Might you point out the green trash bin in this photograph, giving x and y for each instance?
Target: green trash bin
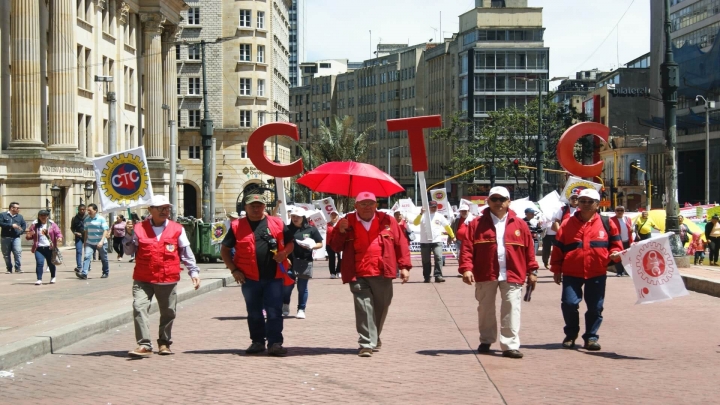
(192, 235)
(207, 251)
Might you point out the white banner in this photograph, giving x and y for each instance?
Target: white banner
(575, 184)
(651, 265)
(474, 210)
(123, 180)
(440, 196)
(317, 219)
(326, 206)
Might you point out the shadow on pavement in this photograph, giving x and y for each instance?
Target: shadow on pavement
(230, 318)
(110, 353)
(216, 351)
(445, 351)
(292, 351)
(615, 356)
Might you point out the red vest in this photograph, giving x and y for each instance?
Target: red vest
(245, 257)
(368, 252)
(157, 261)
(628, 224)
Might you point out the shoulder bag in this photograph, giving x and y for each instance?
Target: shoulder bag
(302, 268)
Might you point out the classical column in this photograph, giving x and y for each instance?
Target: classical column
(62, 77)
(25, 72)
(170, 82)
(152, 29)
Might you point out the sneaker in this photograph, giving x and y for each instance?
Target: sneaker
(513, 354)
(39, 282)
(131, 260)
(140, 352)
(365, 352)
(277, 350)
(105, 275)
(255, 348)
(52, 280)
(8, 272)
(568, 343)
(119, 259)
(378, 346)
(592, 345)
(484, 348)
(300, 314)
(439, 280)
(81, 276)
(165, 350)
(286, 310)
(21, 272)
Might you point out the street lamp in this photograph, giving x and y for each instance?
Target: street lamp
(89, 190)
(708, 106)
(55, 192)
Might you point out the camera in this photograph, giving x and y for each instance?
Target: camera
(272, 242)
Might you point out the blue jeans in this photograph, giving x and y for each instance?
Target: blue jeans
(79, 252)
(89, 251)
(12, 245)
(302, 286)
(572, 294)
(42, 254)
(267, 295)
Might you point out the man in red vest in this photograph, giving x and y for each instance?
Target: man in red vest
(372, 249)
(159, 245)
(624, 224)
(262, 244)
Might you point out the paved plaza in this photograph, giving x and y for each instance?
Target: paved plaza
(664, 353)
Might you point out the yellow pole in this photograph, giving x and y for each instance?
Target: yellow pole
(454, 177)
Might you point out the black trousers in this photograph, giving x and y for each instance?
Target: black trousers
(714, 248)
(547, 242)
(332, 255)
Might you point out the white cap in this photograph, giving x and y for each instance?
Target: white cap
(464, 207)
(159, 200)
(590, 193)
(501, 191)
(298, 212)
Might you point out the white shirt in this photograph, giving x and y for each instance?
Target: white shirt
(558, 217)
(43, 241)
(437, 227)
(623, 229)
(366, 224)
(500, 238)
(183, 240)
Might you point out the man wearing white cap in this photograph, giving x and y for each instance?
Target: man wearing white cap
(372, 249)
(498, 252)
(159, 245)
(584, 246)
(433, 244)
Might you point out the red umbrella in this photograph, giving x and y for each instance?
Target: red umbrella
(350, 179)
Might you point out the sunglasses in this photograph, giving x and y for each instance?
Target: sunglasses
(619, 210)
(496, 199)
(586, 202)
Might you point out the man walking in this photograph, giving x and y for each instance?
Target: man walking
(96, 233)
(712, 235)
(372, 250)
(159, 245)
(584, 246)
(533, 225)
(77, 226)
(548, 240)
(498, 252)
(262, 244)
(433, 244)
(624, 224)
(13, 226)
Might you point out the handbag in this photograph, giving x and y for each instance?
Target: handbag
(57, 258)
(302, 268)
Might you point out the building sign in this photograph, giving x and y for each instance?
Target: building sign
(629, 91)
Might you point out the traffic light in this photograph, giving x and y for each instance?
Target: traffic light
(516, 164)
(655, 190)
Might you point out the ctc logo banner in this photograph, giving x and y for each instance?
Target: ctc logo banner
(123, 179)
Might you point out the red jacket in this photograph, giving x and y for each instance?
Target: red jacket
(478, 251)
(582, 249)
(157, 261)
(628, 224)
(393, 251)
(245, 258)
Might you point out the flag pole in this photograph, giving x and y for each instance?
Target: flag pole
(426, 205)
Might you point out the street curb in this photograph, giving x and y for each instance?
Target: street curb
(702, 285)
(53, 340)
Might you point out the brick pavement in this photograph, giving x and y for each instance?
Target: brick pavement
(663, 353)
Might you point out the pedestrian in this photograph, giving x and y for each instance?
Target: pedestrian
(534, 226)
(697, 248)
(644, 226)
(77, 227)
(556, 220)
(584, 246)
(405, 233)
(263, 244)
(307, 238)
(684, 231)
(498, 253)
(712, 235)
(129, 228)
(459, 226)
(433, 243)
(13, 225)
(334, 258)
(624, 224)
(96, 234)
(46, 236)
(160, 245)
(371, 246)
(118, 231)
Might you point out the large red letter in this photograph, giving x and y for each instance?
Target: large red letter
(256, 149)
(415, 127)
(566, 146)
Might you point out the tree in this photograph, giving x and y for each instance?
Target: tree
(506, 135)
(338, 142)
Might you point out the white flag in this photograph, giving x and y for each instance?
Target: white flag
(326, 206)
(123, 179)
(218, 232)
(651, 265)
(574, 185)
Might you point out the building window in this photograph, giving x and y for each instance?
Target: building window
(261, 53)
(261, 19)
(245, 87)
(179, 86)
(129, 85)
(261, 88)
(177, 52)
(245, 118)
(194, 16)
(194, 86)
(245, 18)
(193, 152)
(261, 118)
(245, 52)
(194, 52)
(243, 151)
(193, 118)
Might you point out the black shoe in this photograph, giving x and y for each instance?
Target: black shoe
(131, 260)
(427, 280)
(105, 275)
(255, 348)
(21, 272)
(484, 348)
(513, 354)
(592, 345)
(439, 280)
(81, 276)
(568, 343)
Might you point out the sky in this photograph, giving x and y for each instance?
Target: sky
(574, 29)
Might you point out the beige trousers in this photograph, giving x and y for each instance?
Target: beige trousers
(510, 296)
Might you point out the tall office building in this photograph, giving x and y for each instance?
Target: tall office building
(297, 43)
